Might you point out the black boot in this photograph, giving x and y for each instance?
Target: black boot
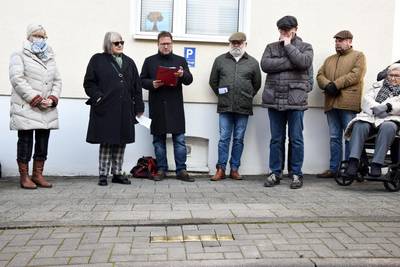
(376, 169)
(120, 179)
(102, 180)
(352, 168)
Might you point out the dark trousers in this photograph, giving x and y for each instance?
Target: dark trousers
(25, 145)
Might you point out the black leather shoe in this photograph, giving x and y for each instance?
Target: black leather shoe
(376, 170)
(102, 180)
(120, 179)
(352, 168)
(184, 176)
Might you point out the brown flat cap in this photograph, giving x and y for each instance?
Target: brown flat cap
(344, 35)
(237, 36)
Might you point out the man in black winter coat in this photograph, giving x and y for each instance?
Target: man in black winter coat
(166, 105)
(288, 64)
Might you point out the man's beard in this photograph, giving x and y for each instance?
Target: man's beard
(342, 50)
(236, 51)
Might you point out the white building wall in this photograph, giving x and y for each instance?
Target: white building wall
(396, 32)
(76, 29)
(69, 154)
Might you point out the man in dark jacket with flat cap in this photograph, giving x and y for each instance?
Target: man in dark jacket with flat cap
(288, 64)
(235, 79)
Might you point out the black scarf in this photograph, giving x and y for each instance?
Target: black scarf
(387, 90)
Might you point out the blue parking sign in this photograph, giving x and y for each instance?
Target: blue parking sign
(190, 56)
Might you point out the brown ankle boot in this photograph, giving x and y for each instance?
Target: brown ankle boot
(219, 175)
(235, 175)
(37, 176)
(24, 179)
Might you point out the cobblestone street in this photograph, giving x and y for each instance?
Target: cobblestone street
(79, 223)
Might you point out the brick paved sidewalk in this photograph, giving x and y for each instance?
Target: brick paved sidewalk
(271, 244)
(79, 201)
(79, 223)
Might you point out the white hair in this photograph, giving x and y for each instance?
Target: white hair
(110, 37)
(395, 66)
(33, 28)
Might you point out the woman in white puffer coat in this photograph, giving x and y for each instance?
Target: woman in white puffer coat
(380, 115)
(36, 88)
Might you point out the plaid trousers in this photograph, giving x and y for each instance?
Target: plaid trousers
(111, 155)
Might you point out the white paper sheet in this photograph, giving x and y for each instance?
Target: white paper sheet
(144, 121)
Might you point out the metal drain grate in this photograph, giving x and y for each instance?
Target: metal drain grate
(189, 238)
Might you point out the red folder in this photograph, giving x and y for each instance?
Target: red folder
(167, 75)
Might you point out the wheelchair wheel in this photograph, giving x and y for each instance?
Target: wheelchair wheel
(393, 183)
(341, 178)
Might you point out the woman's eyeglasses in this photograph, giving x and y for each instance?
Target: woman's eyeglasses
(39, 36)
(118, 43)
(394, 76)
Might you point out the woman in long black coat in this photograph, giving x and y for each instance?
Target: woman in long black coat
(115, 95)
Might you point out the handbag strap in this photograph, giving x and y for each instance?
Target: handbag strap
(117, 71)
(120, 75)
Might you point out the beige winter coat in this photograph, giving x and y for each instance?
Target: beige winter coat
(31, 79)
(366, 113)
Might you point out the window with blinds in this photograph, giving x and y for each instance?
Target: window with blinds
(210, 17)
(193, 20)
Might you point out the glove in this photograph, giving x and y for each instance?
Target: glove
(379, 109)
(331, 89)
(387, 112)
(383, 115)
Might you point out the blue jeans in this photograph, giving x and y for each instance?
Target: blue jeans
(277, 122)
(337, 122)
(231, 123)
(160, 150)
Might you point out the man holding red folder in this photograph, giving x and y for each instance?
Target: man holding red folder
(163, 75)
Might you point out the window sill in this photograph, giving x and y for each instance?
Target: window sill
(187, 38)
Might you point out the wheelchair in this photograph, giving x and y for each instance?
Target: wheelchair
(390, 179)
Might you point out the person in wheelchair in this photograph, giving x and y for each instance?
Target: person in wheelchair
(380, 116)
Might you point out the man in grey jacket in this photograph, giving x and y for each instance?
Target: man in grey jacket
(235, 79)
(288, 64)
